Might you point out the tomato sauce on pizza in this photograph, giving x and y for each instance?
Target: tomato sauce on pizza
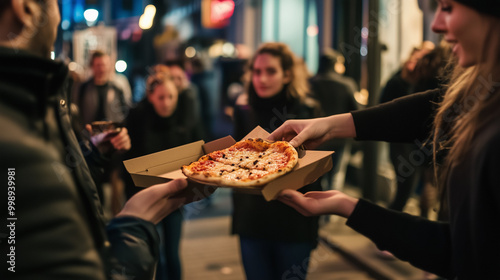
(251, 162)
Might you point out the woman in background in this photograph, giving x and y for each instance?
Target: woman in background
(275, 241)
(154, 125)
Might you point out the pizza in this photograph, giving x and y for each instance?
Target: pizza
(248, 163)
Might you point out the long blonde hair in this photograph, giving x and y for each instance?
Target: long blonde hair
(471, 101)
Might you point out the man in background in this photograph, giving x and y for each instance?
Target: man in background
(104, 97)
(335, 92)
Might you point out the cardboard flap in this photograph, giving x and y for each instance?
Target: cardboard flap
(312, 156)
(257, 132)
(219, 144)
(144, 181)
(172, 156)
(301, 177)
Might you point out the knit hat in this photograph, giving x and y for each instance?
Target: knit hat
(490, 7)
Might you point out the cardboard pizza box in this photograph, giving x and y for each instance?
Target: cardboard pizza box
(164, 166)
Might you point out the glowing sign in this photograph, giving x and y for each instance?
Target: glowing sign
(216, 13)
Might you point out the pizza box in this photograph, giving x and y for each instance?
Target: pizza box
(164, 166)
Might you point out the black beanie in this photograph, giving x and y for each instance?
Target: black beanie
(490, 7)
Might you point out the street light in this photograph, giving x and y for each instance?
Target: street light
(146, 19)
(120, 66)
(91, 16)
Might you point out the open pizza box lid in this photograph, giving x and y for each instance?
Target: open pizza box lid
(164, 166)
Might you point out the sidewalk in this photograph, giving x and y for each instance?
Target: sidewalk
(208, 251)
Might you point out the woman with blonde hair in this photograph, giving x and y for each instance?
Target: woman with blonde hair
(156, 124)
(463, 119)
(274, 238)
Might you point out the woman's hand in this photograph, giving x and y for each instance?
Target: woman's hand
(156, 202)
(319, 202)
(311, 133)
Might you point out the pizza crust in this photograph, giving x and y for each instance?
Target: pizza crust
(249, 163)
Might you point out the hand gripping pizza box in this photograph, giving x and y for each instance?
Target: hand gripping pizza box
(165, 166)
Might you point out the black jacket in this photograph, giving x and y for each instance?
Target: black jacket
(467, 246)
(59, 228)
(150, 133)
(253, 216)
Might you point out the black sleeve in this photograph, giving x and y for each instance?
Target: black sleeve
(404, 119)
(96, 163)
(423, 243)
(134, 248)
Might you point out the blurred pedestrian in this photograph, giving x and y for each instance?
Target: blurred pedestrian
(205, 82)
(275, 242)
(335, 94)
(463, 121)
(157, 124)
(399, 85)
(188, 102)
(432, 71)
(102, 98)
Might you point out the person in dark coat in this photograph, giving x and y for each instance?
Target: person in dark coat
(56, 217)
(335, 93)
(274, 239)
(399, 85)
(463, 121)
(154, 125)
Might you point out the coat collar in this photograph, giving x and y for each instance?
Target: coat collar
(28, 82)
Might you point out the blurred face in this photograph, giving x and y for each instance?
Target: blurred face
(463, 28)
(411, 63)
(101, 69)
(178, 77)
(414, 58)
(268, 78)
(164, 99)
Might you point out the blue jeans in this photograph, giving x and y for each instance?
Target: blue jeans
(274, 260)
(169, 264)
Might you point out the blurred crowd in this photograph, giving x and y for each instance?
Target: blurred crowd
(266, 89)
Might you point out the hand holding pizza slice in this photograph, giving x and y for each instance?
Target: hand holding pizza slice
(248, 163)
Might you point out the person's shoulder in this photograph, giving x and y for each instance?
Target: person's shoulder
(24, 141)
(190, 92)
(309, 107)
(486, 153)
(336, 80)
(489, 136)
(347, 81)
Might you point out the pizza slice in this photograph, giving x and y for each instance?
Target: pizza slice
(251, 162)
